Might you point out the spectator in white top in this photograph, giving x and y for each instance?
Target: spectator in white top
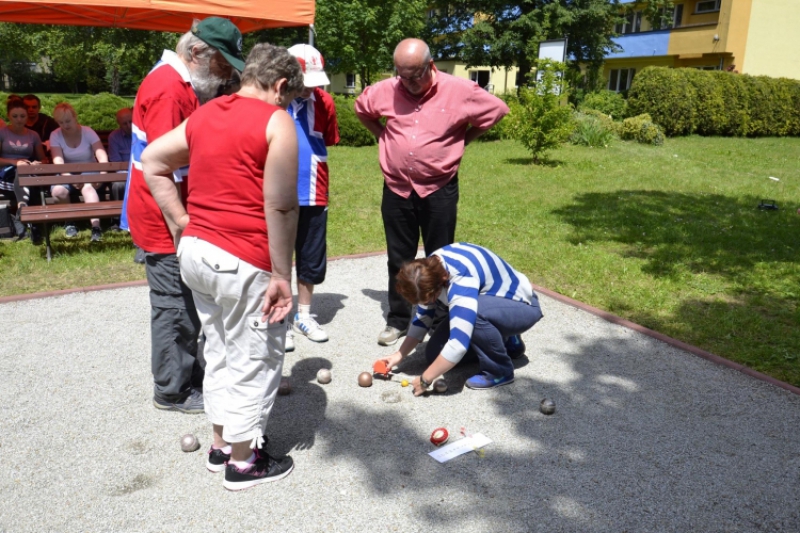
(73, 143)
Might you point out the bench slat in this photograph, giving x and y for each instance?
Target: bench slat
(49, 170)
(64, 212)
(46, 181)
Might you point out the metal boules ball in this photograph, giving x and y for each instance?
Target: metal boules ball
(285, 387)
(547, 407)
(189, 443)
(440, 386)
(365, 379)
(324, 376)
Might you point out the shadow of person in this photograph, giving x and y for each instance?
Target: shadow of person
(326, 305)
(295, 418)
(382, 297)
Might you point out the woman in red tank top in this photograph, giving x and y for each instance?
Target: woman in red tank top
(235, 239)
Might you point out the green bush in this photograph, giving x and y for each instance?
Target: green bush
(592, 131)
(685, 101)
(503, 130)
(542, 122)
(99, 111)
(641, 129)
(667, 96)
(607, 102)
(351, 131)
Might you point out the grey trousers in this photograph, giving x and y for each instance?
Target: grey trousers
(174, 330)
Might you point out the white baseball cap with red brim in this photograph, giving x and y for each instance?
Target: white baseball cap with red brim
(312, 63)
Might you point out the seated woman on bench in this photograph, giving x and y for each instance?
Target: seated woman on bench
(18, 146)
(73, 143)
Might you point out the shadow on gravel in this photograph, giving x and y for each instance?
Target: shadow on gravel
(633, 446)
(326, 305)
(381, 297)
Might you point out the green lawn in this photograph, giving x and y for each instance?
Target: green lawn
(668, 237)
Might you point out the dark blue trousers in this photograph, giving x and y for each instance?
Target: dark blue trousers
(498, 319)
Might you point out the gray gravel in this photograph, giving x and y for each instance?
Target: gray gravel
(645, 437)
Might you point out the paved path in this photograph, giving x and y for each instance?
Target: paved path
(645, 438)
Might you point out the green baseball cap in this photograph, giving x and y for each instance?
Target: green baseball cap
(223, 35)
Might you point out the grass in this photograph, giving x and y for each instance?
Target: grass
(669, 237)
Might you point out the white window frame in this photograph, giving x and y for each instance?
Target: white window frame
(347, 83)
(632, 24)
(473, 75)
(715, 5)
(614, 73)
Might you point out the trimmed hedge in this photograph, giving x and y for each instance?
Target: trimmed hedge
(685, 101)
(351, 131)
(607, 102)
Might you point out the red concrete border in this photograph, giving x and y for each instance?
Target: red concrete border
(614, 319)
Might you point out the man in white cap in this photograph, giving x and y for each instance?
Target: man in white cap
(314, 116)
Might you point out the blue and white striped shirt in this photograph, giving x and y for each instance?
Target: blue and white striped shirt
(473, 271)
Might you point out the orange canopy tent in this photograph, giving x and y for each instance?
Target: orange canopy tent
(161, 15)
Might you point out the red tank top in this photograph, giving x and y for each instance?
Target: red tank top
(227, 152)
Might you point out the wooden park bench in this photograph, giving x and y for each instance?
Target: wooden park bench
(44, 176)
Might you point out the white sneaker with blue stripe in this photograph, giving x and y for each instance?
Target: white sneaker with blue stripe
(306, 325)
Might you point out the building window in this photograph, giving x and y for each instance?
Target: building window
(677, 16)
(672, 18)
(708, 67)
(350, 81)
(632, 24)
(431, 13)
(620, 79)
(707, 6)
(481, 77)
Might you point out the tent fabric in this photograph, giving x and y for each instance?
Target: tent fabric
(161, 15)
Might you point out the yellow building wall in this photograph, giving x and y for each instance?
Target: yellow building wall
(734, 32)
(773, 43)
(502, 80)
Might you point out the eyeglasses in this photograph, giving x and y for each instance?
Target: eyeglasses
(414, 78)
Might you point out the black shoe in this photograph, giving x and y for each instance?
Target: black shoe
(515, 347)
(19, 228)
(191, 404)
(263, 470)
(71, 231)
(139, 257)
(36, 234)
(218, 460)
(97, 234)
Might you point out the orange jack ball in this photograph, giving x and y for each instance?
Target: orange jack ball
(365, 379)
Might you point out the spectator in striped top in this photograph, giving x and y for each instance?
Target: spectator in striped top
(489, 306)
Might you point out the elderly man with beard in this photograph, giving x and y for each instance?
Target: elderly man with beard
(203, 60)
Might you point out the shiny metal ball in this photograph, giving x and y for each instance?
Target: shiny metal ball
(365, 379)
(324, 376)
(547, 407)
(440, 386)
(285, 387)
(189, 443)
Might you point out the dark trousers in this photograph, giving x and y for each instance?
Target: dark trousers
(174, 330)
(404, 220)
(498, 319)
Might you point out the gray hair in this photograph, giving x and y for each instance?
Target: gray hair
(189, 42)
(267, 63)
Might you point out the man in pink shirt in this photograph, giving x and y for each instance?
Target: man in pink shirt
(430, 117)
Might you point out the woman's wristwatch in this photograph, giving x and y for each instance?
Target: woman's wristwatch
(425, 385)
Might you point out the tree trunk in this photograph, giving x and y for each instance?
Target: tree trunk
(115, 80)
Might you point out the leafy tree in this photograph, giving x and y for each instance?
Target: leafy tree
(360, 35)
(500, 33)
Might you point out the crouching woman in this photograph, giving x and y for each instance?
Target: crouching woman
(488, 306)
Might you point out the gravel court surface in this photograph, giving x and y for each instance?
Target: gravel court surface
(645, 437)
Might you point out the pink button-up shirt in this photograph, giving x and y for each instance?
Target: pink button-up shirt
(423, 142)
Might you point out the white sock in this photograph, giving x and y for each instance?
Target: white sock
(303, 310)
(241, 465)
(225, 449)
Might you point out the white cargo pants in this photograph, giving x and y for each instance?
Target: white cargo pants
(244, 356)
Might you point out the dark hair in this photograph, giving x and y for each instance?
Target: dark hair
(14, 104)
(421, 280)
(32, 97)
(267, 63)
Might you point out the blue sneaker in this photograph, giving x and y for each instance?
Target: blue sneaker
(515, 346)
(484, 381)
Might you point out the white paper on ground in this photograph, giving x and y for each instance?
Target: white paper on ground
(460, 447)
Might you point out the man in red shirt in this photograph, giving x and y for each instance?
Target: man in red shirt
(181, 81)
(430, 117)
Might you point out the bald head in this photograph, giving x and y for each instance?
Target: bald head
(414, 65)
